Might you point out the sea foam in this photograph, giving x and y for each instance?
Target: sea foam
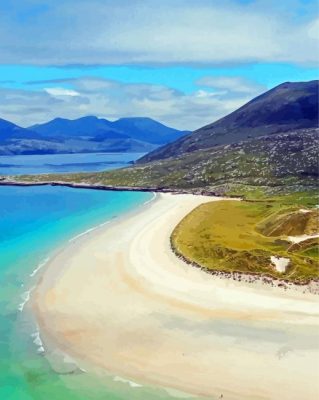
(131, 383)
(37, 341)
(41, 265)
(151, 199)
(88, 231)
(25, 298)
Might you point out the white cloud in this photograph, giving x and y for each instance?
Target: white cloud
(230, 83)
(114, 99)
(204, 93)
(153, 32)
(56, 91)
(313, 29)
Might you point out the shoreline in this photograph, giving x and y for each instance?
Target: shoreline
(40, 340)
(74, 185)
(41, 266)
(311, 286)
(138, 289)
(281, 284)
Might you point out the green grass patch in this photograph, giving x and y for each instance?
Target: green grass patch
(224, 236)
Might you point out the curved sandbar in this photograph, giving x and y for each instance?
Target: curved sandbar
(120, 299)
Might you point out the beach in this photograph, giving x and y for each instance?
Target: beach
(118, 299)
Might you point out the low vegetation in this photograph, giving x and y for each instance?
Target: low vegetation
(233, 236)
(276, 164)
(290, 223)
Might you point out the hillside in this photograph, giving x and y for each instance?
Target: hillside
(148, 130)
(292, 223)
(279, 163)
(85, 135)
(9, 131)
(287, 107)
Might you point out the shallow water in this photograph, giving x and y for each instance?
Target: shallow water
(34, 221)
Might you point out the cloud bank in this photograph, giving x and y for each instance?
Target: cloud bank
(149, 32)
(73, 98)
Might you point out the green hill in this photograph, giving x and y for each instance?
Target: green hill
(287, 107)
(282, 163)
(212, 240)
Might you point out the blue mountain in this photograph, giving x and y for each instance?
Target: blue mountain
(66, 128)
(147, 130)
(9, 130)
(141, 129)
(85, 135)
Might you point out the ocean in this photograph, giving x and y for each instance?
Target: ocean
(34, 223)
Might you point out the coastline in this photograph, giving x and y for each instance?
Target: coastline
(154, 189)
(113, 302)
(248, 277)
(252, 278)
(41, 266)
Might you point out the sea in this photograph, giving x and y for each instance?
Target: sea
(34, 223)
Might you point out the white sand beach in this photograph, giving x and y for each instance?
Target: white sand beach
(119, 299)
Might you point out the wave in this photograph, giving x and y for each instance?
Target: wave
(37, 341)
(152, 199)
(89, 230)
(82, 234)
(25, 297)
(131, 383)
(27, 294)
(41, 265)
(104, 223)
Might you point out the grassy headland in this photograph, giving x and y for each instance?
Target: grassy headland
(232, 236)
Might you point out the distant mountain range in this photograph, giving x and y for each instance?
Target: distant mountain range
(84, 135)
(287, 107)
(9, 131)
(270, 145)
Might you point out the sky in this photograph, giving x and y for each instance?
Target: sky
(185, 63)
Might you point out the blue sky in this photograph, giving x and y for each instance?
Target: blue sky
(181, 78)
(185, 63)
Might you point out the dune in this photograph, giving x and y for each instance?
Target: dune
(301, 238)
(118, 299)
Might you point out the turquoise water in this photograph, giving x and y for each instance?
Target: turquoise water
(35, 221)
